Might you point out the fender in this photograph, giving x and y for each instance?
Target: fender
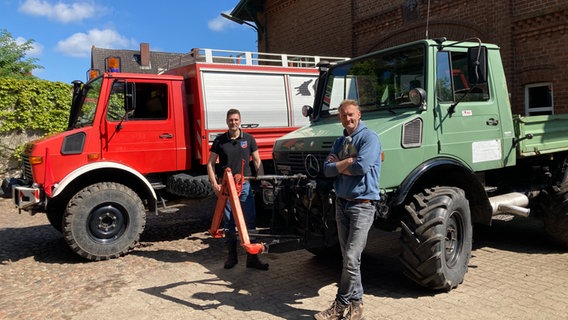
(427, 167)
(433, 170)
(59, 187)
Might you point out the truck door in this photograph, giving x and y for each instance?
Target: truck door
(140, 127)
(467, 116)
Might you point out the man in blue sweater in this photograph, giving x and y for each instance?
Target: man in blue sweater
(355, 162)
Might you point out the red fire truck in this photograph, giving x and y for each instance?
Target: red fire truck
(136, 141)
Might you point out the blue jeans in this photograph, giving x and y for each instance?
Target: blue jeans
(249, 211)
(353, 223)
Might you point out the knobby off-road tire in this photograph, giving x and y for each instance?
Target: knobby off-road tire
(104, 221)
(188, 186)
(324, 224)
(553, 210)
(55, 218)
(436, 238)
(55, 211)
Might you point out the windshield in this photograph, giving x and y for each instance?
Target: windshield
(380, 81)
(90, 94)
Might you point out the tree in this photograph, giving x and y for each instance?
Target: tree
(13, 60)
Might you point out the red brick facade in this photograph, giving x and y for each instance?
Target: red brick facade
(532, 34)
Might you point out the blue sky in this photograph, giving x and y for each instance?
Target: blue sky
(64, 31)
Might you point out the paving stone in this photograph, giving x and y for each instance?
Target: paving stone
(176, 273)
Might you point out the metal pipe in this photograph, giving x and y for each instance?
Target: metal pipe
(276, 177)
(514, 203)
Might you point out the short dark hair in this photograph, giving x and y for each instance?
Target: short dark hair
(233, 111)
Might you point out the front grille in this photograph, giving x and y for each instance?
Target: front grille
(294, 162)
(27, 167)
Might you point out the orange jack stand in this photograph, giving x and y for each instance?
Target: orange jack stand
(229, 192)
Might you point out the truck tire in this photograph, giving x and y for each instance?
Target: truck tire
(324, 226)
(329, 246)
(436, 238)
(55, 211)
(55, 218)
(103, 221)
(188, 186)
(553, 210)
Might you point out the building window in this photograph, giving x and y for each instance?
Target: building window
(538, 99)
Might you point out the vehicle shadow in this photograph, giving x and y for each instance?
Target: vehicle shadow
(278, 291)
(523, 235)
(43, 243)
(293, 277)
(182, 238)
(303, 275)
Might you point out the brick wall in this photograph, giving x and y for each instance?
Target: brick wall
(307, 27)
(532, 34)
(539, 32)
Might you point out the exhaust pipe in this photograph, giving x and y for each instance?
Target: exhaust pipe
(514, 203)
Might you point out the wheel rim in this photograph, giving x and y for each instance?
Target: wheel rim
(107, 223)
(454, 239)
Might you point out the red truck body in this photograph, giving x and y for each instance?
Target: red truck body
(201, 134)
(147, 137)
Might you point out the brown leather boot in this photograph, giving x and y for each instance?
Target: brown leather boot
(355, 310)
(254, 262)
(335, 312)
(232, 259)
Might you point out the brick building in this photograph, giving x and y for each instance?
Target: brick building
(532, 35)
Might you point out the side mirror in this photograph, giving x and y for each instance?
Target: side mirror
(477, 65)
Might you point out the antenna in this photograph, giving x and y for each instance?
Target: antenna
(427, 18)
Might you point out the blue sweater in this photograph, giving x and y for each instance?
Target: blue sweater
(363, 183)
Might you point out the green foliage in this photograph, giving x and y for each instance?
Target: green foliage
(13, 61)
(33, 104)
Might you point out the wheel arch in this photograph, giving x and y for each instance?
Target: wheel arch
(445, 171)
(106, 172)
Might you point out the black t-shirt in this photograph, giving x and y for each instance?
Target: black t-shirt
(232, 152)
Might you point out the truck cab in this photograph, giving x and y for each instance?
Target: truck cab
(122, 124)
(453, 155)
(418, 99)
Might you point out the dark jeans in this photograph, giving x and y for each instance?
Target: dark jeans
(353, 223)
(249, 212)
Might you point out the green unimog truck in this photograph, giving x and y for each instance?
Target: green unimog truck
(453, 155)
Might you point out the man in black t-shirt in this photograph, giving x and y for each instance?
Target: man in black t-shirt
(234, 150)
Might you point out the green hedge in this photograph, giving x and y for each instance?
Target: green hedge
(34, 104)
(29, 108)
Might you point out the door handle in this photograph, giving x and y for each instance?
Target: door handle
(166, 136)
(492, 122)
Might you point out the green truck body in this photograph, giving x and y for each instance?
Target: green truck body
(453, 154)
(549, 134)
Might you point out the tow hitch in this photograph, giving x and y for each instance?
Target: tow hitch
(231, 188)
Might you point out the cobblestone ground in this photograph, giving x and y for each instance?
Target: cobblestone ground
(177, 273)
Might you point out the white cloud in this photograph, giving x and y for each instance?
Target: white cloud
(79, 44)
(60, 11)
(35, 50)
(219, 23)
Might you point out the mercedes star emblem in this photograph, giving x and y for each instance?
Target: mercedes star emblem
(312, 165)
